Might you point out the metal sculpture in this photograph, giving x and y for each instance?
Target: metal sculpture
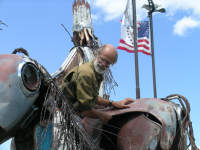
(165, 123)
(46, 121)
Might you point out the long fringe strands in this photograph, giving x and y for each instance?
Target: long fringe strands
(110, 82)
(186, 126)
(68, 133)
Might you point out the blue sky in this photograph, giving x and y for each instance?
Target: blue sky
(36, 26)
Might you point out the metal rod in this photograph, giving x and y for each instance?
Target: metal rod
(66, 30)
(152, 54)
(136, 50)
(151, 10)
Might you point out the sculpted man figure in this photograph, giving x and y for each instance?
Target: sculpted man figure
(81, 85)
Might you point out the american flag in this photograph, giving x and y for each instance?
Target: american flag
(126, 41)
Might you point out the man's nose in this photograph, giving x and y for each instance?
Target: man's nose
(106, 65)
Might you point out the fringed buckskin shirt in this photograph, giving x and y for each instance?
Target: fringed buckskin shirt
(81, 86)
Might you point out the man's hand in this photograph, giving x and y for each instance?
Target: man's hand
(123, 103)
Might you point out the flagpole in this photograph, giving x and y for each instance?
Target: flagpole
(136, 49)
(152, 54)
(151, 9)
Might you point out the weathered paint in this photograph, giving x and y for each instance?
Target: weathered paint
(162, 110)
(43, 136)
(140, 133)
(15, 99)
(8, 66)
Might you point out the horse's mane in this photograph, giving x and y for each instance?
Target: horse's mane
(57, 112)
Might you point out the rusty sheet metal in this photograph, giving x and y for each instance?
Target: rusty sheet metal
(139, 133)
(160, 109)
(81, 15)
(93, 127)
(8, 65)
(15, 99)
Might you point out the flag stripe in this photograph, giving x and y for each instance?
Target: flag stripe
(142, 47)
(141, 43)
(132, 51)
(129, 48)
(143, 40)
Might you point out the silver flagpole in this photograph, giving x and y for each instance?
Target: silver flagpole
(151, 9)
(136, 49)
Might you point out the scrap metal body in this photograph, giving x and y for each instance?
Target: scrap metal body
(17, 94)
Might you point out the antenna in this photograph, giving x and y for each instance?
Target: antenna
(66, 31)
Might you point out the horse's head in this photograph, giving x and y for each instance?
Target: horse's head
(20, 83)
(29, 94)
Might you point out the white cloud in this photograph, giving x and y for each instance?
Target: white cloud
(95, 16)
(184, 24)
(113, 9)
(185, 5)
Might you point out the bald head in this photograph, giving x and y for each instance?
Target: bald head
(109, 52)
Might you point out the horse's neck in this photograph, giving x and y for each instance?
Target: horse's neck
(77, 56)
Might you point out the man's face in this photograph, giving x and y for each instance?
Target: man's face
(103, 61)
(100, 65)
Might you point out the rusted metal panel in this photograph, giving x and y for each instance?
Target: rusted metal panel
(15, 98)
(163, 111)
(93, 127)
(139, 133)
(8, 65)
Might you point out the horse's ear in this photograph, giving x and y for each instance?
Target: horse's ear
(20, 50)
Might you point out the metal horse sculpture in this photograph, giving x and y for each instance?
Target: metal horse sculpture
(148, 124)
(34, 111)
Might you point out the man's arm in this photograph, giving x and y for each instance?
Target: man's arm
(93, 113)
(118, 104)
(102, 101)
